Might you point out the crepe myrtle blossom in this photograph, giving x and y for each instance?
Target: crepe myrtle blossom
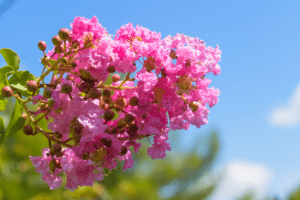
(104, 126)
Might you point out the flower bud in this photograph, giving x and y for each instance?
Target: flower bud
(84, 87)
(47, 92)
(73, 64)
(94, 93)
(132, 130)
(6, 92)
(59, 49)
(66, 88)
(128, 118)
(75, 44)
(149, 63)
(108, 115)
(56, 149)
(64, 33)
(123, 151)
(56, 41)
(188, 63)
(106, 142)
(173, 54)
(163, 73)
(116, 77)
(107, 100)
(185, 82)
(28, 130)
(32, 86)
(42, 45)
(106, 93)
(111, 69)
(134, 101)
(120, 102)
(50, 102)
(64, 60)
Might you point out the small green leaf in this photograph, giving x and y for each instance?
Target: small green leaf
(11, 58)
(2, 130)
(19, 87)
(4, 73)
(22, 77)
(116, 114)
(3, 103)
(16, 122)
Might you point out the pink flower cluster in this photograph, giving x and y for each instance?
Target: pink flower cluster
(164, 89)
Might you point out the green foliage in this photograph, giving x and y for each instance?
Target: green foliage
(16, 121)
(3, 103)
(294, 194)
(19, 79)
(11, 58)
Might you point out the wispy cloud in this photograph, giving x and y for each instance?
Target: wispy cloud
(290, 114)
(241, 177)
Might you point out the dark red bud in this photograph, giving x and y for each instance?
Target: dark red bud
(94, 93)
(111, 69)
(42, 45)
(106, 142)
(32, 86)
(6, 92)
(108, 115)
(116, 77)
(123, 150)
(28, 130)
(66, 88)
(128, 118)
(134, 101)
(64, 33)
(47, 92)
(56, 41)
(106, 93)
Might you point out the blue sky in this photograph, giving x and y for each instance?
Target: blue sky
(258, 113)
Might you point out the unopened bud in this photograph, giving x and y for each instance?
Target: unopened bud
(108, 115)
(64, 33)
(188, 63)
(6, 92)
(66, 88)
(56, 149)
(94, 93)
(120, 102)
(32, 86)
(106, 93)
(73, 64)
(134, 101)
(28, 130)
(47, 92)
(42, 45)
(56, 41)
(116, 77)
(50, 102)
(111, 69)
(128, 118)
(193, 106)
(59, 49)
(121, 123)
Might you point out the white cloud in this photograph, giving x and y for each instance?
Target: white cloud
(290, 114)
(241, 177)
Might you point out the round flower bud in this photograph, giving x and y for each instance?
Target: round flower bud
(116, 77)
(56, 41)
(64, 60)
(163, 73)
(173, 54)
(128, 118)
(64, 33)
(47, 92)
(108, 115)
(32, 86)
(75, 44)
(85, 156)
(106, 93)
(111, 69)
(59, 49)
(123, 151)
(193, 106)
(188, 63)
(6, 92)
(134, 101)
(28, 130)
(106, 142)
(84, 87)
(66, 88)
(94, 93)
(42, 45)
(120, 102)
(73, 64)
(43, 60)
(132, 130)
(50, 102)
(56, 149)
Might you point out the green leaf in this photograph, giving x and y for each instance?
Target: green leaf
(22, 77)
(4, 72)
(3, 103)
(116, 114)
(19, 87)
(2, 130)
(11, 58)
(16, 122)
